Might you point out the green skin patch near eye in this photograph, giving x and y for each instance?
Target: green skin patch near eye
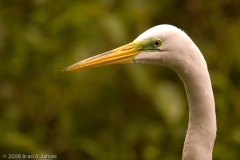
(150, 45)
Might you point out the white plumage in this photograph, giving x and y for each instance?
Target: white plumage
(169, 46)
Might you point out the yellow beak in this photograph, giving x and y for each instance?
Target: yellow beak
(125, 53)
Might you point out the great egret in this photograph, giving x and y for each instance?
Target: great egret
(169, 46)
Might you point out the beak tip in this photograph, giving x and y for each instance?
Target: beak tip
(64, 70)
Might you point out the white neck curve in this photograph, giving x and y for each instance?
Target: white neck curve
(179, 53)
(201, 131)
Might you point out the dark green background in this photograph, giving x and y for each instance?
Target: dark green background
(119, 112)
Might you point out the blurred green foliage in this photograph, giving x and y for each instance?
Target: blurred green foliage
(122, 112)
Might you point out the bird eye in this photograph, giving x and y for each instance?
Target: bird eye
(157, 43)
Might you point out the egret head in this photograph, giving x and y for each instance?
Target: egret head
(169, 46)
(159, 45)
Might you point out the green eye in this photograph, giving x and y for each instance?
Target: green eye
(157, 43)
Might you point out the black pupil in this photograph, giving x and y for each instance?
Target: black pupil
(156, 43)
